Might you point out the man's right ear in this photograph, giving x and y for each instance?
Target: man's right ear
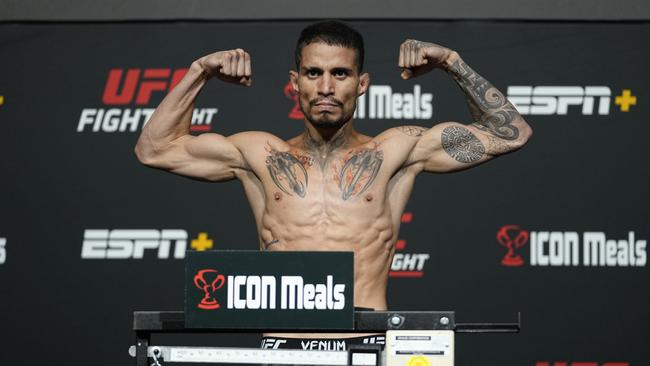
(293, 77)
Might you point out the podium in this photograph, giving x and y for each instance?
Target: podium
(293, 292)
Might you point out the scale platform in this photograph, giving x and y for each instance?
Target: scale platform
(413, 338)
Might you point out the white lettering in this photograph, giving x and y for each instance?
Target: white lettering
(593, 243)
(409, 261)
(309, 293)
(238, 302)
(291, 295)
(386, 104)
(129, 120)
(3, 250)
(123, 244)
(320, 302)
(339, 296)
(550, 100)
(268, 292)
(202, 116)
(563, 248)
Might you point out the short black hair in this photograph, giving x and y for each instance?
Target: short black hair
(333, 33)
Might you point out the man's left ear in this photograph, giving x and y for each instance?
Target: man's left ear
(364, 83)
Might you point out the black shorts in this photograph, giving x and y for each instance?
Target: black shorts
(320, 344)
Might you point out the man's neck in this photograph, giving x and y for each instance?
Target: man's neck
(323, 142)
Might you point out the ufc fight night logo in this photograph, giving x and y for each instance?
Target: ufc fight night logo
(135, 88)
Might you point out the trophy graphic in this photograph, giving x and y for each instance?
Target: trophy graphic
(295, 113)
(209, 285)
(505, 238)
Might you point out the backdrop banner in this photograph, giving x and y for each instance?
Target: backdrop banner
(557, 230)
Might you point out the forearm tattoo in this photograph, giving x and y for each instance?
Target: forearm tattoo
(413, 131)
(491, 110)
(359, 170)
(287, 172)
(462, 145)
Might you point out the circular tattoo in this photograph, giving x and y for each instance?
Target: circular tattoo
(461, 144)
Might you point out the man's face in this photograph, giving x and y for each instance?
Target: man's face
(328, 84)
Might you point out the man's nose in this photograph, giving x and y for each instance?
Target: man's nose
(326, 85)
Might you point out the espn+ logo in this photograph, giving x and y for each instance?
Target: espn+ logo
(569, 248)
(557, 100)
(136, 87)
(125, 244)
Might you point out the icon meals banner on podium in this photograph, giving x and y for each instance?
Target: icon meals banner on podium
(273, 290)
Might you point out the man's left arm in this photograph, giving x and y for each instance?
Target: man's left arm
(497, 129)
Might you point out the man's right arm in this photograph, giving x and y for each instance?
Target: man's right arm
(165, 142)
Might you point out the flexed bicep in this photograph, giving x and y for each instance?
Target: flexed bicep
(452, 146)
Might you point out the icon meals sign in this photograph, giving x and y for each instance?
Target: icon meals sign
(272, 290)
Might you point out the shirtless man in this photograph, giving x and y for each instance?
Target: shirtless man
(332, 188)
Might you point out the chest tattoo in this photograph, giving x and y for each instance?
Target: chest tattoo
(358, 171)
(288, 172)
(353, 173)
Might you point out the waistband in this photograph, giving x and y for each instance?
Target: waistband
(319, 344)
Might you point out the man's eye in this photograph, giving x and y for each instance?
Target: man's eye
(340, 73)
(312, 73)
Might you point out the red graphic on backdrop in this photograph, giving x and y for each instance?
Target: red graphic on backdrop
(208, 281)
(152, 80)
(512, 237)
(295, 113)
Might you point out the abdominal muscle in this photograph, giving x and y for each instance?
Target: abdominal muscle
(370, 238)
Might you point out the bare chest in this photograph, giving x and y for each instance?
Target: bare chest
(350, 175)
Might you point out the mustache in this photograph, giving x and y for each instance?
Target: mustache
(313, 102)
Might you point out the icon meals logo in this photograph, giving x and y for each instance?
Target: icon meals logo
(261, 292)
(135, 87)
(209, 286)
(569, 248)
(512, 237)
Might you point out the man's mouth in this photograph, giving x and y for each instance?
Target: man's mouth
(326, 103)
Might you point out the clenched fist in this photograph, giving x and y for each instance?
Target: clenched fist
(417, 58)
(233, 66)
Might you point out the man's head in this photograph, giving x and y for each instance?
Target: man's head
(329, 78)
(332, 33)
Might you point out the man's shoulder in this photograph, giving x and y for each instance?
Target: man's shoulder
(256, 138)
(400, 134)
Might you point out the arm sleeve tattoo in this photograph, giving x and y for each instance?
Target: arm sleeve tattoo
(490, 109)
